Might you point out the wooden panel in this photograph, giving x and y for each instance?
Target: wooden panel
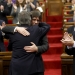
(5, 58)
(9, 17)
(11, 24)
(55, 7)
(67, 64)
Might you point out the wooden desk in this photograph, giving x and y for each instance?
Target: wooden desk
(66, 63)
(5, 58)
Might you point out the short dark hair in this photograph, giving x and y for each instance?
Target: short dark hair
(36, 13)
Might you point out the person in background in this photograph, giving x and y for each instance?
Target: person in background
(2, 46)
(40, 48)
(16, 9)
(29, 5)
(9, 4)
(22, 60)
(4, 11)
(71, 28)
(39, 7)
(69, 42)
(19, 6)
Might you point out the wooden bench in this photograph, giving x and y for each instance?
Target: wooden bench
(11, 24)
(5, 58)
(10, 19)
(67, 63)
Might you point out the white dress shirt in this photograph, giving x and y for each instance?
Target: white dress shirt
(72, 46)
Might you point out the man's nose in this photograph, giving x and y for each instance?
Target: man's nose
(36, 21)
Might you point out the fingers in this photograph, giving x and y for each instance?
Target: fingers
(32, 48)
(32, 43)
(28, 49)
(25, 33)
(22, 31)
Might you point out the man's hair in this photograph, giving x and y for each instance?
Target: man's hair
(24, 17)
(36, 13)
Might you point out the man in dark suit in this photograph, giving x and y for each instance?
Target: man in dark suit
(69, 42)
(70, 46)
(35, 71)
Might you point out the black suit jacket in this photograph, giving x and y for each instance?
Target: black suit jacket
(70, 29)
(26, 61)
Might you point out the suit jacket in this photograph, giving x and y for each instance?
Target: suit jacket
(70, 29)
(27, 60)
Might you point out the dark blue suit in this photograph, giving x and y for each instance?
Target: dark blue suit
(23, 63)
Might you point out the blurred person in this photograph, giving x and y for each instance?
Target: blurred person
(39, 7)
(16, 9)
(9, 4)
(19, 6)
(29, 5)
(4, 11)
(2, 46)
(69, 42)
(22, 60)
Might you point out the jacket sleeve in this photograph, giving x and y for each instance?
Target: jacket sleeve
(8, 29)
(70, 51)
(43, 28)
(43, 45)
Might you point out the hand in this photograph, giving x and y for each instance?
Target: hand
(3, 25)
(9, 1)
(32, 48)
(27, 1)
(15, 7)
(66, 36)
(68, 41)
(2, 8)
(22, 31)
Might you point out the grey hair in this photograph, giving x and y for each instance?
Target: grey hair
(24, 17)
